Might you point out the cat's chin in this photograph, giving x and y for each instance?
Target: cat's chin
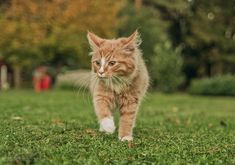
(103, 78)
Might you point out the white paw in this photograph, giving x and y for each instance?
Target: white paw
(107, 125)
(126, 138)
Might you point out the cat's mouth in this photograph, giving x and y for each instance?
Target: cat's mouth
(102, 76)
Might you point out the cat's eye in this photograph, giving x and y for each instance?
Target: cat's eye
(111, 63)
(97, 63)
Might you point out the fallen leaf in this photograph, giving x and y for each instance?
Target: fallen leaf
(57, 121)
(17, 118)
(91, 132)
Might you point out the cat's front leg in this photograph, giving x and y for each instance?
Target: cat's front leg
(102, 108)
(127, 120)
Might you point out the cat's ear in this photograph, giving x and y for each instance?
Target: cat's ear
(94, 40)
(132, 41)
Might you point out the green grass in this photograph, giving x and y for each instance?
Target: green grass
(60, 127)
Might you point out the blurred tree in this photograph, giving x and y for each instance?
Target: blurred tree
(210, 37)
(204, 30)
(53, 32)
(168, 73)
(152, 28)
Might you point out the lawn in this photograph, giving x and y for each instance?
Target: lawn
(60, 127)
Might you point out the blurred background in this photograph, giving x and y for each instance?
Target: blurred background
(188, 45)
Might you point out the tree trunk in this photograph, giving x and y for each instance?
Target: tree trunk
(17, 77)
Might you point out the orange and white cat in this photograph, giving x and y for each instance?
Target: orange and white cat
(119, 81)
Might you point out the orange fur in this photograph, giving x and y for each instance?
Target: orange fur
(119, 81)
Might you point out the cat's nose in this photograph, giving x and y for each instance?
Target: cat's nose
(101, 72)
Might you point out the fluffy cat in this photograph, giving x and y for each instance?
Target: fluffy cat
(119, 81)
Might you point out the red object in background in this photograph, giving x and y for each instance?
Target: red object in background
(37, 85)
(45, 82)
(42, 81)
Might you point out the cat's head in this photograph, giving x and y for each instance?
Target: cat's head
(115, 57)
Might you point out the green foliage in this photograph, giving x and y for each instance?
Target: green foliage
(148, 28)
(219, 85)
(186, 24)
(60, 127)
(56, 36)
(208, 37)
(153, 30)
(205, 31)
(167, 67)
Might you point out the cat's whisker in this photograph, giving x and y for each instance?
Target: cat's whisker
(81, 86)
(95, 83)
(83, 81)
(78, 85)
(90, 95)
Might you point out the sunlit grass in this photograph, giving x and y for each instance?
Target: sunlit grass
(60, 127)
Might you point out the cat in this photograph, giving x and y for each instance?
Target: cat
(119, 81)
